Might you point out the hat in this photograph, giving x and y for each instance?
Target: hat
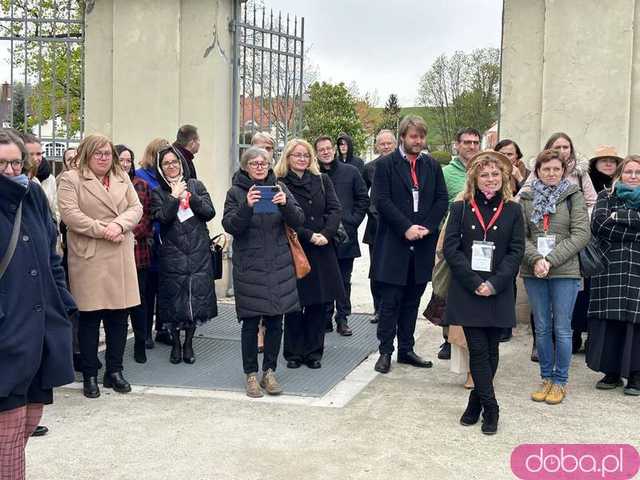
(606, 151)
(493, 155)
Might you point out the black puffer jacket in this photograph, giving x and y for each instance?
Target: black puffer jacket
(186, 293)
(264, 280)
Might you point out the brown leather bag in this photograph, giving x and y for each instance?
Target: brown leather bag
(300, 262)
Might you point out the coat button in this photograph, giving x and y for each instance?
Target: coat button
(473, 227)
(495, 209)
(495, 227)
(37, 308)
(25, 238)
(312, 218)
(310, 202)
(33, 273)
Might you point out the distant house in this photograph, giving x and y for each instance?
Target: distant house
(490, 137)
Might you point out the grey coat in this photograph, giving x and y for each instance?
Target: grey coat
(264, 280)
(569, 225)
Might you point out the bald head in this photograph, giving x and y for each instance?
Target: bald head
(385, 142)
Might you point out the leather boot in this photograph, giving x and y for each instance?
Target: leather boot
(472, 413)
(139, 351)
(176, 349)
(490, 417)
(116, 381)
(187, 349)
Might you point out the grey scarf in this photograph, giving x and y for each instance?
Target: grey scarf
(545, 198)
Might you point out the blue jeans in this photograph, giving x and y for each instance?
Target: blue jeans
(552, 301)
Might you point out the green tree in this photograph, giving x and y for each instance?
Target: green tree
(463, 90)
(331, 110)
(391, 114)
(51, 58)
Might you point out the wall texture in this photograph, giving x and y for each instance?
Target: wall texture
(153, 65)
(572, 66)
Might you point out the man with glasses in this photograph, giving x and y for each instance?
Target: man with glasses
(352, 193)
(187, 144)
(455, 175)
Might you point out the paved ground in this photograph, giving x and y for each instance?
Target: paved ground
(402, 426)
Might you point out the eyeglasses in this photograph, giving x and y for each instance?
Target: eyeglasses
(15, 164)
(470, 142)
(325, 150)
(300, 156)
(105, 154)
(171, 163)
(258, 165)
(632, 173)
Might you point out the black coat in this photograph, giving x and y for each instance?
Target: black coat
(464, 307)
(394, 202)
(35, 330)
(186, 292)
(349, 158)
(352, 193)
(614, 293)
(264, 280)
(322, 213)
(372, 214)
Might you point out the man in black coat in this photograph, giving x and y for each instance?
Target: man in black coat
(352, 193)
(385, 144)
(187, 144)
(411, 200)
(346, 152)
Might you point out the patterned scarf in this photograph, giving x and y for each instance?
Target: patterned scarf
(545, 198)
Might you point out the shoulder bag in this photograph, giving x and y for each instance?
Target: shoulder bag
(301, 263)
(217, 245)
(592, 260)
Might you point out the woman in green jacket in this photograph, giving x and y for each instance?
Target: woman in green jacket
(556, 229)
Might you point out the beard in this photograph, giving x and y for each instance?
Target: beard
(412, 149)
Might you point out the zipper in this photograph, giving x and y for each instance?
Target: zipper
(190, 300)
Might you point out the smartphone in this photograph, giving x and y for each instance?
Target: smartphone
(265, 204)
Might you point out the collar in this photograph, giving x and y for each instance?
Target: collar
(186, 154)
(403, 154)
(11, 192)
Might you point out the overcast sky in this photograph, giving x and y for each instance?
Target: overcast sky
(388, 45)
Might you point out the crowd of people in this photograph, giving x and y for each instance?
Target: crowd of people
(108, 240)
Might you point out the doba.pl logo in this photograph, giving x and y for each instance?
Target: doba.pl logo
(575, 461)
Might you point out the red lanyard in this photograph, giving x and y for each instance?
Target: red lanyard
(545, 223)
(414, 175)
(493, 220)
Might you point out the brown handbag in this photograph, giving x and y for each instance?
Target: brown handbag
(300, 262)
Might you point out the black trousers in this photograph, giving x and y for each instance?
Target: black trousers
(483, 344)
(151, 299)
(272, 340)
(304, 333)
(115, 328)
(139, 313)
(342, 308)
(398, 313)
(373, 285)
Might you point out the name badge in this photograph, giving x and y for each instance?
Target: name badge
(184, 214)
(416, 199)
(482, 256)
(546, 244)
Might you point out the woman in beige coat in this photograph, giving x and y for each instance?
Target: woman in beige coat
(100, 208)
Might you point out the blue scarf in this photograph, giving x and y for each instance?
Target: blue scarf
(629, 195)
(545, 198)
(20, 180)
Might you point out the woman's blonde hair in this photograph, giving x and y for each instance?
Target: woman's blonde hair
(617, 177)
(150, 154)
(89, 146)
(282, 167)
(474, 170)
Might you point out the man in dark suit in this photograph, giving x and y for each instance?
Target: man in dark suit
(352, 193)
(187, 144)
(411, 200)
(385, 144)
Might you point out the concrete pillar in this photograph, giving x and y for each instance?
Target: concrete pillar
(571, 65)
(153, 65)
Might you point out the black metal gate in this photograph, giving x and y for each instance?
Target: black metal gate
(268, 83)
(42, 42)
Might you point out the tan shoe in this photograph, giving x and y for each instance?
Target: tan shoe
(556, 395)
(270, 383)
(540, 395)
(253, 389)
(469, 383)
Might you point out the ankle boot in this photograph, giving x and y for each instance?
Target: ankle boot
(472, 414)
(176, 349)
(187, 350)
(490, 415)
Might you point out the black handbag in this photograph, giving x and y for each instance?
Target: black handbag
(341, 237)
(217, 245)
(592, 260)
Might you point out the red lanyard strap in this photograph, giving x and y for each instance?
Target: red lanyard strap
(414, 175)
(493, 220)
(545, 223)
